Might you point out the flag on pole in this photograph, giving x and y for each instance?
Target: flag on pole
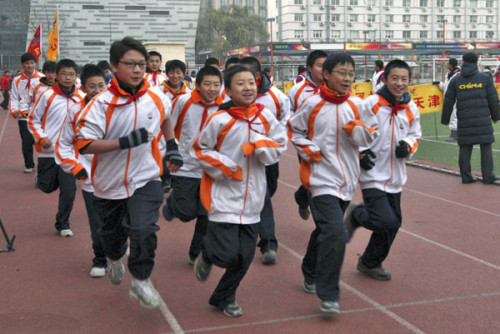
(53, 49)
(35, 44)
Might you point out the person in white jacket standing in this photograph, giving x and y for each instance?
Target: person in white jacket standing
(383, 173)
(377, 81)
(233, 148)
(327, 131)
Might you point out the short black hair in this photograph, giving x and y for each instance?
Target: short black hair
(252, 62)
(337, 58)
(470, 57)
(207, 70)
(154, 53)
(104, 65)
(379, 63)
(27, 57)
(211, 61)
(49, 66)
(231, 60)
(118, 49)
(453, 62)
(301, 69)
(89, 71)
(193, 73)
(174, 64)
(396, 63)
(232, 71)
(313, 56)
(66, 63)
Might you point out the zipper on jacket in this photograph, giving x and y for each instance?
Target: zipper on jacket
(248, 177)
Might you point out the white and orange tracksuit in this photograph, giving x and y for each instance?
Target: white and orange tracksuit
(299, 92)
(67, 156)
(389, 172)
(117, 174)
(20, 98)
(277, 103)
(171, 93)
(47, 117)
(37, 91)
(155, 78)
(233, 151)
(189, 115)
(326, 136)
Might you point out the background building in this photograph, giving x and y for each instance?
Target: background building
(386, 20)
(14, 18)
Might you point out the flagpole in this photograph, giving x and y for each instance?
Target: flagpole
(41, 43)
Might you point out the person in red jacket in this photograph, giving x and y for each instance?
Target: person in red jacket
(5, 87)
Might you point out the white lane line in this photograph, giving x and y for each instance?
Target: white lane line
(172, 321)
(367, 299)
(453, 250)
(452, 202)
(3, 128)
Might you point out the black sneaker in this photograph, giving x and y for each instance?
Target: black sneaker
(348, 220)
(304, 212)
(167, 213)
(201, 269)
(233, 310)
(309, 288)
(269, 257)
(378, 273)
(329, 306)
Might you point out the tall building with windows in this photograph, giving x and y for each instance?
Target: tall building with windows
(386, 20)
(87, 29)
(14, 21)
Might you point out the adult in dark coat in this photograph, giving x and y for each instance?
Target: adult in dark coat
(477, 105)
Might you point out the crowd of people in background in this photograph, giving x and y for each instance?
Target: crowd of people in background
(212, 141)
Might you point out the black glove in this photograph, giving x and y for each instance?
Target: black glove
(367, 80)
(367, 159)
(436, 82)
(402, 150)
(81, 175)
(135, 138)
(173, 156)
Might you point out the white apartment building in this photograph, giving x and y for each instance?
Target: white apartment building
(385, 20)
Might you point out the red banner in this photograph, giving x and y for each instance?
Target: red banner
(35, 47)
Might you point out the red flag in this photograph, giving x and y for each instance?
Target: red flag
(35, 47)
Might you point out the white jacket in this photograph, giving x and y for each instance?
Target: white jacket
(47, 117)
(277, 103)
(171, 93)
(67, 156)
(389, 172)
(299, 92)
(189, 114)
(112, 114)
(233, 155)
(326, 136)
(377, 82)
(20, 98)
(155, 80)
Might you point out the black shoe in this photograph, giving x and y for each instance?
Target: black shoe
(491, 179)
(201, 269)
(468, 181)
(269, 257)
(167, 213)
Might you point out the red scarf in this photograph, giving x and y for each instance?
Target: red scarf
(331, 95)
(197, 99)
(239, 113)
(59, 91)
(116, 90)
(28, 84)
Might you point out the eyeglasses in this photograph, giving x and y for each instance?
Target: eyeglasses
(68, 75)
(343, 74)
(132, 64)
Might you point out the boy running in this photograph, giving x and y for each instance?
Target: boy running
(93, 82)
(383, 173)
(45, 122)
(326, 132)
(49, 80)
(122, 127)
(189, 114)
(233, 149)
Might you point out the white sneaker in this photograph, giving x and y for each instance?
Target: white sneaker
(28, 170)
(96, 272)
(145, 293)
(66, 233)
(116, 271)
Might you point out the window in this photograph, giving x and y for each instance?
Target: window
(472, 34)
(423, 34)
(489, 34)
(489, 19)
(389, 34)
(354, 34)
(334, 2)
(489, 3)
(473, 19)
(353, 2)
(457, 3)
(299, 17)
(159, 12)
(389, 3)
(439, 3)
(335, 17)
(370, 2)
(457, 34)
(92, 7)
(316, 2)
(299, 34)
(90, 43)
(297, 2)
(335, 33)
(406, 3)
(389, 18)
(439, 34)
(406, 34)
(318, 33)
(423, 3)
(473, 4)
(370, 17)
(423, 19)
(456, 18)
(353, 17)
(406, 18)
(135, 7)
(317, 17)
(439, 18)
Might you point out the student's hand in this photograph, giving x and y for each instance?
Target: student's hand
(402, 150)
(135, 138)
(173, 156)
(81, 175)
(46, 143)
(367, 159)
(436, 82)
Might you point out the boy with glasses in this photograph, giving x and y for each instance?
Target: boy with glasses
(45, 122)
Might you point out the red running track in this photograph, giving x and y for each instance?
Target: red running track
(445, 265)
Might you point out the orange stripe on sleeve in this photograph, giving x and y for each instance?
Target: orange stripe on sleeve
(206, 191)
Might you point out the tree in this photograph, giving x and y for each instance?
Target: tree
(225, 29)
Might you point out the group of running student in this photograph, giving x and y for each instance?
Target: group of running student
(221, 142)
